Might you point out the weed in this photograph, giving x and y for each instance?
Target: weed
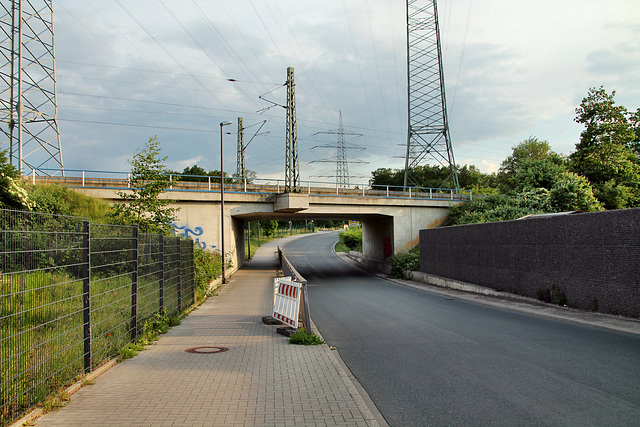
(594, 304)
(301, 337)
(543, 295)
(130, 350)
(557, 296)
(86, 382)
(56, 401)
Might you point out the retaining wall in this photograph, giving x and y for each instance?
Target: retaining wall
(593, 259)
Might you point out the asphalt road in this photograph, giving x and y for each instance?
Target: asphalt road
(425, 359)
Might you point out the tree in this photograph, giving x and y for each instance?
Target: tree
(524, 155)
(605, 122)
(608, 151)
(573, 192)
(143, 205)
(269, 226)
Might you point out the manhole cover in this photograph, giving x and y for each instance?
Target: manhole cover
(207, 350)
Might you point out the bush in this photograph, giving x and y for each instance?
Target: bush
(405, 262)
(208, 266)
(352, 238)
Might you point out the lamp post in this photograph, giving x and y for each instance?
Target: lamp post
(222, 124)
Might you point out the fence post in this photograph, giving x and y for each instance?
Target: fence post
(161, 281)
(83, 178)
(134, 286)
(179, 275)
(86, 295)
(305, 305)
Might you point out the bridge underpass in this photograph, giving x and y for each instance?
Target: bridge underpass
(390, 220)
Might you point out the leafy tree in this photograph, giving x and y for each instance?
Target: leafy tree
(501, 207)
(608, 152)
(573, 192)
(269, 226)
(605, 122)
(143, 205)
(469, 177)
(248, 174)
(530, 153)
(196, 174)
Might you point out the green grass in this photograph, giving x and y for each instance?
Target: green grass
(301, 337)
(41, 334)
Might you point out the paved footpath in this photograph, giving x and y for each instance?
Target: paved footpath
(261, 381)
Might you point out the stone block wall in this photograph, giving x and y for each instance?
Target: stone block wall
(593, 259)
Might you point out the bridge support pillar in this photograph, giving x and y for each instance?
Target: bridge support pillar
(377, 238)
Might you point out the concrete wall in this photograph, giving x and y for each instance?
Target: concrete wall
(592, 258)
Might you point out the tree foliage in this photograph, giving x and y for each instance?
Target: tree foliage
(428, 176)
(604, 121)
(608, 151)
(268, 226)
(143, 205)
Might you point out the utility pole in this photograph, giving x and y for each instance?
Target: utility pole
(240, 155)
(28, 92)
(291, 167)
(240, 168)
(428, 134)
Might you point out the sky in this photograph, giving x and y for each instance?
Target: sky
(130, 70)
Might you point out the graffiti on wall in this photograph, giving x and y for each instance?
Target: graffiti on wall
(187, 232)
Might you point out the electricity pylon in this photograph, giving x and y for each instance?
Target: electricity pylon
(428, 136)
(240, 168)
(240, 156)
(291, 168)
(28, 99)
(342, 164)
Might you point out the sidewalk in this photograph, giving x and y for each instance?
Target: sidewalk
(261, 381)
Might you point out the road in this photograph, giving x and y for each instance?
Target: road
(425, 359)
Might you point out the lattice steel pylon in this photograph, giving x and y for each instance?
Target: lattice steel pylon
(342, 164)
(240, 155)
(28, 98)
(428, 136)
(291, 168)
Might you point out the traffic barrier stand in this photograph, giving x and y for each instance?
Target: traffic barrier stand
(287, 302)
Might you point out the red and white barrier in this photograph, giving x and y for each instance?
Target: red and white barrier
(287, 302)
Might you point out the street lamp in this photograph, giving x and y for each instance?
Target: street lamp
(224, 280)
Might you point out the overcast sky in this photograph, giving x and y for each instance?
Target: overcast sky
(128, 70)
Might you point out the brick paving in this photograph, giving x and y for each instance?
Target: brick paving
(261, 381)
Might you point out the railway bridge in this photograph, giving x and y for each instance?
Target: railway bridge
(391, 217)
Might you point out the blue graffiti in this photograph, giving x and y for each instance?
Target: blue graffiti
(189, 233)
(196, 232)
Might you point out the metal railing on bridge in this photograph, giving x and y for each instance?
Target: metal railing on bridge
(206, 183)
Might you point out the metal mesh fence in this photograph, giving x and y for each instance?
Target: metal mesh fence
(72, 294)
(41, 307)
